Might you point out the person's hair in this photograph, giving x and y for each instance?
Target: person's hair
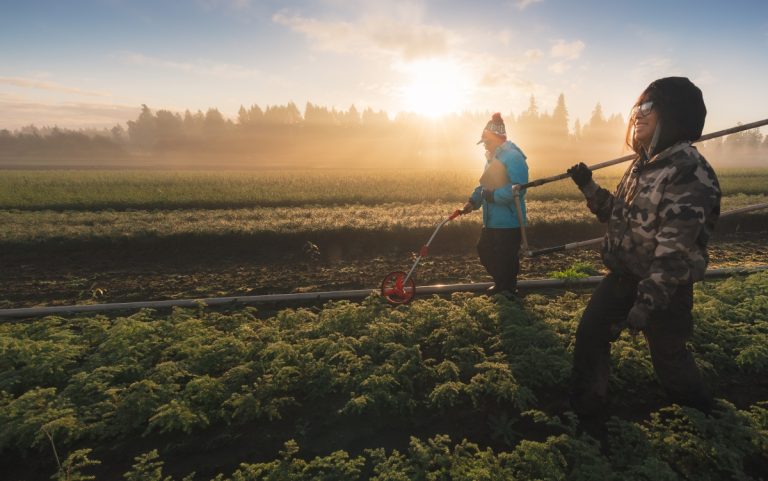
(629, 136)
(679, 107)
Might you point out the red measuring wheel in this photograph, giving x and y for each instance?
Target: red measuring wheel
(396, 289)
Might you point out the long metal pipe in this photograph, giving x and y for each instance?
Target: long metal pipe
(524, 285)
(719, 133)
(590, 242)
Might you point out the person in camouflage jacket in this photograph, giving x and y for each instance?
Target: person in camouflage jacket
(660, 220)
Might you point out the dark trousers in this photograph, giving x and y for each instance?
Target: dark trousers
(666, 335)
(499, 251)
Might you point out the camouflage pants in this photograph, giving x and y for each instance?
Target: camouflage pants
(666, 335)
(499, 251)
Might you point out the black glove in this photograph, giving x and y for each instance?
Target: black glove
(637, 321)
(580, 174)
(488, 195)
(468, 207)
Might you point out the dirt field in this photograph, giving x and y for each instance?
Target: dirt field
(65, 280)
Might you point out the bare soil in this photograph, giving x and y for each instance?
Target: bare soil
(89, 277)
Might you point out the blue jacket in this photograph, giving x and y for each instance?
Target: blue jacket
(501, 213)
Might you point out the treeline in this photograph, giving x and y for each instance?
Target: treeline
(283, 136)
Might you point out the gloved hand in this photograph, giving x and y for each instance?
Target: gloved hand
(616, 330)
(580, 174)
(488, 195)
(637, 319)
(468, 207)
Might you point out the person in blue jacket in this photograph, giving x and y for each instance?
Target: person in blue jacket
(499, 244)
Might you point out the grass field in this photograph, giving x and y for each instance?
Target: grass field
(72, 205)
(122, 190)
(37, 226)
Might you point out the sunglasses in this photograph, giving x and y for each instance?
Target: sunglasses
(640, 111)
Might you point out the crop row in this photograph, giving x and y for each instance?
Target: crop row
(38, 226)
(331, 380)
(121, 190)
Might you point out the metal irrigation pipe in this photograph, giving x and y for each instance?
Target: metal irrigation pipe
(525, 285)
(719, 133)
(575, 245)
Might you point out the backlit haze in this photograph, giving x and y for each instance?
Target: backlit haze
(93, 63)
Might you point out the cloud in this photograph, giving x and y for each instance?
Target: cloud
(401, 33)
(559, 67)
(563, 49)
(501, 78)
(505, 37)
(523, 4)
(412, 41)
(50, 86)
(564, 52)
(704, 77)
(372, 34)
(201, 67)
(652, 68)
(534, 54)
(332, 36)
(16, 112)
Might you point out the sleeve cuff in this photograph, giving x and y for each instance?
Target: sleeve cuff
(590, 189)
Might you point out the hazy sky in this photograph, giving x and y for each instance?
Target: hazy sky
(93, 63)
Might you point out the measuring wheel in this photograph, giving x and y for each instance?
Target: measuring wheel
(396, 289)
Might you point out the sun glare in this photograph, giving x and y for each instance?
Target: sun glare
(436, 87)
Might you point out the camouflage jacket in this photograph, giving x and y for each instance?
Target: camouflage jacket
(659, 220)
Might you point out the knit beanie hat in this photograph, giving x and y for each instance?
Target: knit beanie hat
(495, 126)
(680, 102)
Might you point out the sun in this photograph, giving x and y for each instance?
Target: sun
(435, 87)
